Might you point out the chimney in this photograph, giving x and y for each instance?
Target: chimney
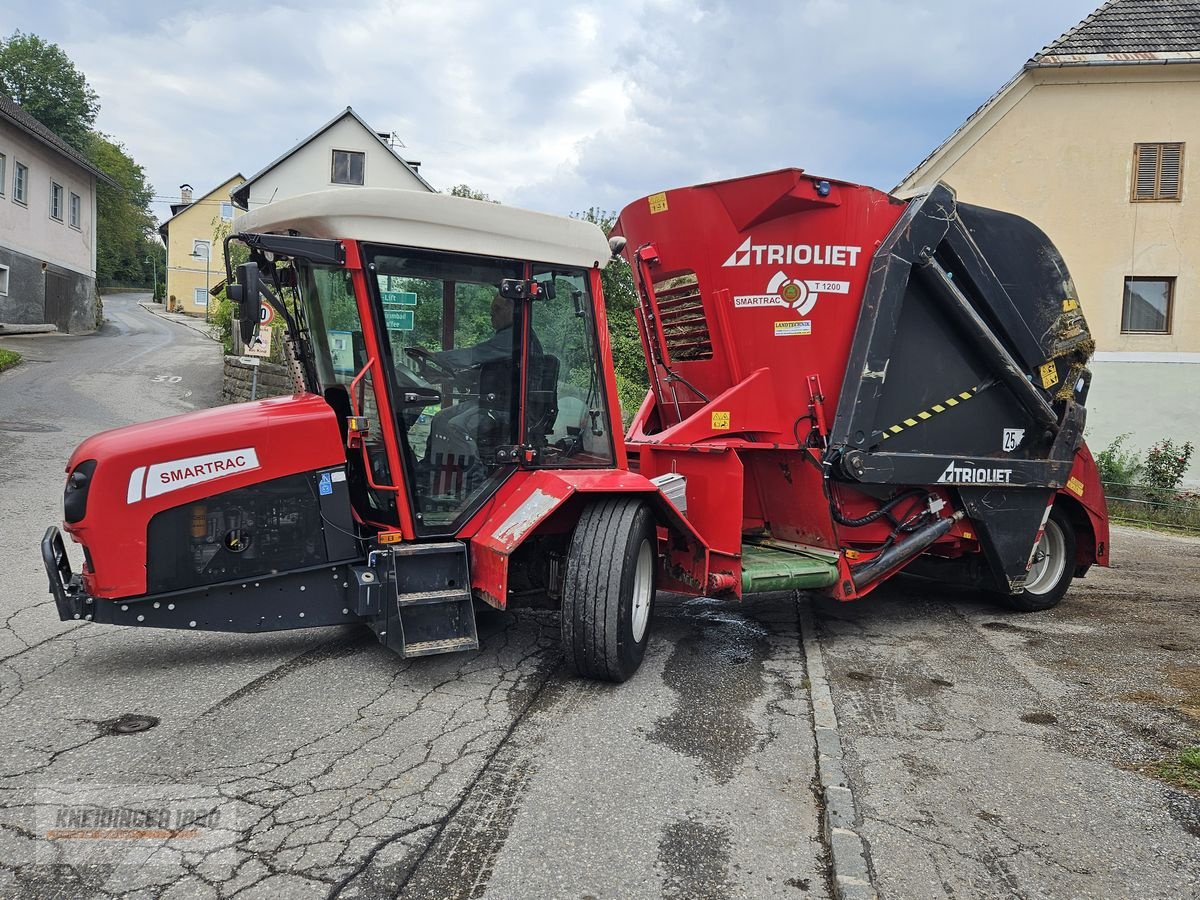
(185, 193)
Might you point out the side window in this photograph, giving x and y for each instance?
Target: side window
(566, 413)
(340, 354)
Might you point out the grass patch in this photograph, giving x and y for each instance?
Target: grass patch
(1182, 771)
(8, 359)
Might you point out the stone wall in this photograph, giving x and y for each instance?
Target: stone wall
(274, 380)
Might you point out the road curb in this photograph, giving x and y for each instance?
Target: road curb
(849, 858)
(185, 321)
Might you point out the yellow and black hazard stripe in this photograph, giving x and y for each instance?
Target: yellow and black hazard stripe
(925, 414)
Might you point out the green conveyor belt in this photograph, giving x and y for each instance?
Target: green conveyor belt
(772, 569)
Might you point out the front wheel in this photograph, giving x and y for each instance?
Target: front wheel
(608, 591)
(1053, 567)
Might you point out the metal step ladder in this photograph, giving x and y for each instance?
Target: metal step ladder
(432, 610)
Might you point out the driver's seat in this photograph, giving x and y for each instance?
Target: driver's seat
(495, 401)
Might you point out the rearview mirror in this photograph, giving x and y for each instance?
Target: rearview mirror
(248, 297)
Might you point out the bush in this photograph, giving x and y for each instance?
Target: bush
(1166, 464)
(220, 316)
(1117, 464)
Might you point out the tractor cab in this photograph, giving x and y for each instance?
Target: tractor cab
(453, 347)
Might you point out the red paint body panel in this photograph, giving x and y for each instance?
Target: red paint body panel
(530, 500)
(1091, 500)
(758, 374)
(287, 434)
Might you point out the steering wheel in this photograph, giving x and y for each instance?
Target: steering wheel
(426, 362)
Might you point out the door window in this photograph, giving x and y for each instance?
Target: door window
(457, 375)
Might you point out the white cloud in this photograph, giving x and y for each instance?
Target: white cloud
(554, 105)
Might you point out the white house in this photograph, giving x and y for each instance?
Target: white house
(47, 225)
(343, 152)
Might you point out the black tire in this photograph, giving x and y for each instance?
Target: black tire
(1058, 541)
(598, 597)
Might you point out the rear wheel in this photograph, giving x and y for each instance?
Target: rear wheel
(608, 591)
(1053, 567)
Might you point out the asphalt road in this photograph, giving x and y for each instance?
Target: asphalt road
(344, 771)
(991, 755)
(995, 755)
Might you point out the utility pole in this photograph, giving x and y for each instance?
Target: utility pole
(154, 269)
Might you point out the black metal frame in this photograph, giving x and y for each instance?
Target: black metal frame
(928, 234)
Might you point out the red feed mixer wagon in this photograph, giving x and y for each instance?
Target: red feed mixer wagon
(844, 385)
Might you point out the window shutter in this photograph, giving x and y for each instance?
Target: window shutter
(1170, 162)
(1147, 172)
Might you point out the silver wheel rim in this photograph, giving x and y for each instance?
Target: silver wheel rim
(643, 585)
(1049, 560)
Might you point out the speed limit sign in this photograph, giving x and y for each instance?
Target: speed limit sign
(266, 315)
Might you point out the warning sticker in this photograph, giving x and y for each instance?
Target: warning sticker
(786, 329)
(720, 421)
(326, 484)
(1075, 486)
(1049, 373)
(658, 202)
(1070, 304)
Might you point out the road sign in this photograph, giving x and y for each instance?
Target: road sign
(252, 361)
(261, 345)
(398, 319)
(398, 298)
(266, 314)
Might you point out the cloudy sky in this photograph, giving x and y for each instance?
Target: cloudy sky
(551, 104)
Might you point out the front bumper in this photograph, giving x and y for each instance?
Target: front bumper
(66, 586)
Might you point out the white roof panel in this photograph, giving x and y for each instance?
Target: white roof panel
(433, 221)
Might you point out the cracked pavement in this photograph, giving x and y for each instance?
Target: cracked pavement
(340, 770)
(1000, 755)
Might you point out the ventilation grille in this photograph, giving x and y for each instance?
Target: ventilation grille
(681, 314)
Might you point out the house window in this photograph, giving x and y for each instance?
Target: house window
(348, 167)
(1146, 308)
(56, 201)
(200, 249)
(75, 210)
(3, 173)
(227, 212)
(3, 281)
(200, 297)
(20, 183)
(1157, 172)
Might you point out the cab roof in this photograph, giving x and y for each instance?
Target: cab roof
(433, 221)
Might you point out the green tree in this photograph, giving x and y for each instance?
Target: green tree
(620, 301)
(42, 78)
(123, 221)
(463, 190)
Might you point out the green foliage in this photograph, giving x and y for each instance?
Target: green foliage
(1117, 463)
(8, 359)
(1166, 464)
(220, 316)
(463, 190)
(123, 221)
(1182, 770)
(620, 301)
(42, 78)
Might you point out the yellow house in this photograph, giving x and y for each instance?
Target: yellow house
(194, 255)
(1090, 141)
